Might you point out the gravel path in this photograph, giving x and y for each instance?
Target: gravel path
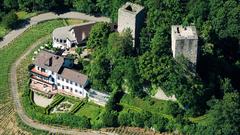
(48, 16)
(13, 73)
(41, 101)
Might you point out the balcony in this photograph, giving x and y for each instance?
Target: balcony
(43, 87)
(35, 71)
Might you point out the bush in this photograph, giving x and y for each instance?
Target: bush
(58, 99)
(10, 20)
(76, 107)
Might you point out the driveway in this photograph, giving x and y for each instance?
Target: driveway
(48, 16)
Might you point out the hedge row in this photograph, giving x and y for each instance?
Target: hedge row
(76, 107)
(58, 99)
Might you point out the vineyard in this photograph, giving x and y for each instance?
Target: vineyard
(131, 131)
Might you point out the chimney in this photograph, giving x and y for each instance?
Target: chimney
(49, 62)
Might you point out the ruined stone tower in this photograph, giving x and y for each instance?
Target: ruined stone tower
(131, 16)
(185, 42)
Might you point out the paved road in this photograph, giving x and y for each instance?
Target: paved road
(13, 73)
(48, 16)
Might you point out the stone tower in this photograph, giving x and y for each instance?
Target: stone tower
(185, 42)
(131, 16)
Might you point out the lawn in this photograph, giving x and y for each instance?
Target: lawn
(148, 104)
(22, 15)
(91, 111)
(74, 21)
(11, 52)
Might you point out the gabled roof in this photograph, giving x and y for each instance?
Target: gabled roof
(49, 61)
(74, 76)
(66, 32)
(52, 62)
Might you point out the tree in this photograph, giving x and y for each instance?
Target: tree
(224, 15)
(99, 70)
(98, 35)
(10, 20)
(159, 123)
(223, 117)
(109, 118)
(120, 45)
(125, 118)
(10, 4)
(226, 86)
(104, 6)
(86, 6)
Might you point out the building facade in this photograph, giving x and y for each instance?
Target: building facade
(51, 74)
(185, 42)
(131, 16)
(69, 36)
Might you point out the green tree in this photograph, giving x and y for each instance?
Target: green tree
(109, 118)
(224, 15)
(10, 20)
(125, 118)
(10, 4)
(223, 117)
(99, 70)
(98, 35)
(86, 6)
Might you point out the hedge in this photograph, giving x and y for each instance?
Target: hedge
(57, 100)
(76, 107)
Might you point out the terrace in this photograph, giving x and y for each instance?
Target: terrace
(41, 87)
(35, 71)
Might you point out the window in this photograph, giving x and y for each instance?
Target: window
(43, 70)
(58, 84)
(62, 79)
(58, 78)
(52, 72)
(71, 82)
(67, 80)
(64, 41)
(67, 87)
(63, 87)
(60, 40)
(75, 90)
(80, 92)
(75, 84)
(71, 89)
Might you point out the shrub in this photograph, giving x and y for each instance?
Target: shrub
(58, 99)
(76, 107)
(10, 20)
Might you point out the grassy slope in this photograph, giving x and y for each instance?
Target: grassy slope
(10, 53)
(91, 111)
(22, 15)
(151, 105)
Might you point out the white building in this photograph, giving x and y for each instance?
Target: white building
(69, 36)
(51, 74)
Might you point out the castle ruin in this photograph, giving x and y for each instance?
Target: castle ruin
(185, 42)
(131, 16)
